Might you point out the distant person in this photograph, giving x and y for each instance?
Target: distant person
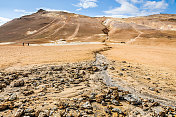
(23, 44)
(28, 44)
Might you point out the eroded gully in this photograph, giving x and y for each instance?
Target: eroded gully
(102, 63)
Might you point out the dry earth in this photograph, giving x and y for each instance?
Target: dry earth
(80, 81)
(19, 56)
(131, 72)
(156, 56)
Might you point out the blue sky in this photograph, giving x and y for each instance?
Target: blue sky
(10, 9)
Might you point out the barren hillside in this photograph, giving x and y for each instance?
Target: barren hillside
(47, 26)
(149, 30)
(55, 26)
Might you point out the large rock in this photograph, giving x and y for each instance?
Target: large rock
(13, 97)
(115, 95)
(99, 98)
(26, 93)
(87, 105)
(3, 107)
(62, 105)
(115, 102)
(117, 110)
(19, 83)
(19, 112)
(2, 85)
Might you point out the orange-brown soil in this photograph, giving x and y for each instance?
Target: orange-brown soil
(13, 56)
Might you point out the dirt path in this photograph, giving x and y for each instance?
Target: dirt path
(133, 40)
(58, 29)
(43, 29)
(75, 33)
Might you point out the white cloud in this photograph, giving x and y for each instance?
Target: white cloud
(115, 16)
(87, 4)
(79, 9)
(129, 8)
(155, 5)
(19, 10)
(49, 9)
(136, 1)
(4, 20)
(22, 11)
(125, 8)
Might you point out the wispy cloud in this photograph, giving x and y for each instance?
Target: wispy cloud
(137, 8)
(79, 9)
(87, 4)
(155, 5)
(115, 16)
(49, 9)
(22, 11)
(4, 20)
(136, 1)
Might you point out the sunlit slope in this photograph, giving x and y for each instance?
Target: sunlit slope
(56, 26)
(47, 26)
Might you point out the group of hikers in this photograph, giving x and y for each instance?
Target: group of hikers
(27, 44)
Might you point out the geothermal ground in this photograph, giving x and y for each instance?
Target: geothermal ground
(87, 80)
(80, 66)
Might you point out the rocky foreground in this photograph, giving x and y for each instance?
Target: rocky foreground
(74, 90)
